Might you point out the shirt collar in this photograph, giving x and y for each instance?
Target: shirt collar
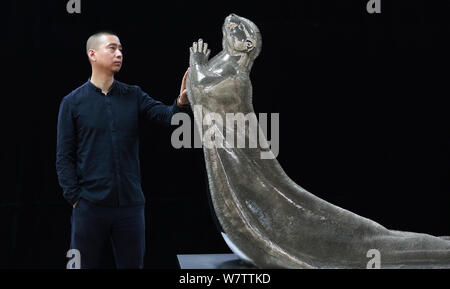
(95, 88)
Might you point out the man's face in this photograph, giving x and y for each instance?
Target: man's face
(109, 53)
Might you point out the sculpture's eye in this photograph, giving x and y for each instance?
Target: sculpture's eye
(232, 25)
(241, 26)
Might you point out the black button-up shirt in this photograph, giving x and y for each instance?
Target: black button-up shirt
(97, 154)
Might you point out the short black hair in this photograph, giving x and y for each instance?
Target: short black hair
(92, 42)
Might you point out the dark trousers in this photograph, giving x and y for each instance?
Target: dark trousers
(93, 225)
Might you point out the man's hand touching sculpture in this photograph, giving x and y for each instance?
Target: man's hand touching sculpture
(182, 98)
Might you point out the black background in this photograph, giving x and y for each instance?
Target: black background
(364, 122)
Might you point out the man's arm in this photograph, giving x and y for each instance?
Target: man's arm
(153, 109)
(66, 155)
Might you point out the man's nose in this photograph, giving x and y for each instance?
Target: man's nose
(119, 53)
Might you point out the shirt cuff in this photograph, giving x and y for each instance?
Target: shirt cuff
(185, 108)
(73, 198)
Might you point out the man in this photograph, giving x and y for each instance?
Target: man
(97, 157)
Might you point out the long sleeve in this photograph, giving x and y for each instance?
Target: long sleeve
(154, 110)
(66, 153)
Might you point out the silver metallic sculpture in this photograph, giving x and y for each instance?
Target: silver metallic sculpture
(267, 219)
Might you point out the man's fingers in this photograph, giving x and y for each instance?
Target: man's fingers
(194, 46)
(205, 47)
(207, 53)
(183, 82)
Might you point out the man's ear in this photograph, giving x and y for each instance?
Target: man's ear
(91, 55)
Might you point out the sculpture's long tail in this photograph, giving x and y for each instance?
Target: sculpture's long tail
(276, 223)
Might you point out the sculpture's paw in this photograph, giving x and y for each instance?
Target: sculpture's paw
(199, 53)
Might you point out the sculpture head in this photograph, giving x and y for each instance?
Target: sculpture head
(241, 37)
